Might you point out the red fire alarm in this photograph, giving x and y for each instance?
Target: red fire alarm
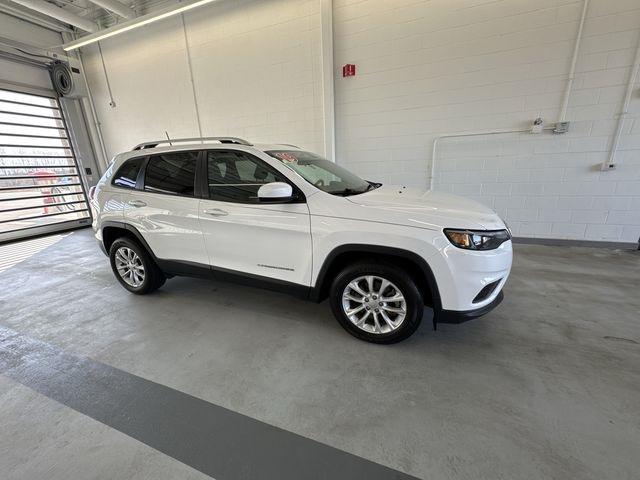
(349, 70)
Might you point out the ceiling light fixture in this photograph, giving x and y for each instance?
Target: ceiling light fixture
(130, 25)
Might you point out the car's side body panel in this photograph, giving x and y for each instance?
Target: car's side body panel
(331, 230)
(170, 224)
(267, 240)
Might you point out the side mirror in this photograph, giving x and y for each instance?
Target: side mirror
(275, 192)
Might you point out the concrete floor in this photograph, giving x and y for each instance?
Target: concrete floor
(546, 386)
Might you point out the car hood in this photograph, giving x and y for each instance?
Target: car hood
(427, 209)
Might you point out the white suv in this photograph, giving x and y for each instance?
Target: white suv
(280, 217)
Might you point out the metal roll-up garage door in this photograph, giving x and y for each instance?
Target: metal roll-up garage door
(41, 188)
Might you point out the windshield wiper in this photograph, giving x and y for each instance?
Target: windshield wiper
(347, 191)
(352, 191)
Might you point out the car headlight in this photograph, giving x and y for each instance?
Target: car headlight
(477, 239)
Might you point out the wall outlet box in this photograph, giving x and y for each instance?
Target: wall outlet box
(561, 127)
(605, 167)
(538, 126)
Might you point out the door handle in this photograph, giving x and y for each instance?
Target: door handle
(137, 203)
(216, 212)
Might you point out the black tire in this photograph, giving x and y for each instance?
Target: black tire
(414, 305)
(153, 276)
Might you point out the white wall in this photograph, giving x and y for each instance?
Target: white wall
(256, 68)
(424, 68)
(435, 67)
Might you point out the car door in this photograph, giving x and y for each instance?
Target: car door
(164, 207)
(246, 236)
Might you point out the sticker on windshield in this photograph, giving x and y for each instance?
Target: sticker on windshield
(286, 157)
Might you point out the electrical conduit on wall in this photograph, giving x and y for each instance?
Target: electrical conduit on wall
(610, 162)
(563, 107)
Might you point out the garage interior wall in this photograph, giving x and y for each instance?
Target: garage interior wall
(256, 74)
(432, 68)
(424, 69)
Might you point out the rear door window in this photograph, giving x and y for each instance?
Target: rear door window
(171, 174)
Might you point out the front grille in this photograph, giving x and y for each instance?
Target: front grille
(486, 291)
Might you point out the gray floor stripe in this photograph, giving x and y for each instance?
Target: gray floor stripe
(214, 440)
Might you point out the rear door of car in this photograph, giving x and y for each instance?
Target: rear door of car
(164, 207)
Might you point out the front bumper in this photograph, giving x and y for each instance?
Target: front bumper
(461, 275)
(456, 316)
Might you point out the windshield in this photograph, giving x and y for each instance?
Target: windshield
(322, 173)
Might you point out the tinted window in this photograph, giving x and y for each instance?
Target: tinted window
(128, 173)
(236, 176)
(172, 173)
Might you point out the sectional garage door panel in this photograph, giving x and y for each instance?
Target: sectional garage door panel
(40, 182)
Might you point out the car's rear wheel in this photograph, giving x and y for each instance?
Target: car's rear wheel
(133, 267)
(376, 302)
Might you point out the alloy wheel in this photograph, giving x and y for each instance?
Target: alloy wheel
(374, 304)
(130, 267)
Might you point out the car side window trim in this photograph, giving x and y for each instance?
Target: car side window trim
(141, 173)
(202, 190)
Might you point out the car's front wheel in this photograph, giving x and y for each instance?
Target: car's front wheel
(134, 268)
(376, 302)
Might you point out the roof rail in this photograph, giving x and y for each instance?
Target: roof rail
(155, 143)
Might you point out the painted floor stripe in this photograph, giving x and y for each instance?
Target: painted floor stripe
(214, 440)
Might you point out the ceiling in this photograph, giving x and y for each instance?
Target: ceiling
(83, 8)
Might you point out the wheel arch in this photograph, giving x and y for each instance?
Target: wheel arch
(344, 255)
(111, 231)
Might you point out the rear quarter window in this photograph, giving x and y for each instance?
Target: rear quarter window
(127, 174)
